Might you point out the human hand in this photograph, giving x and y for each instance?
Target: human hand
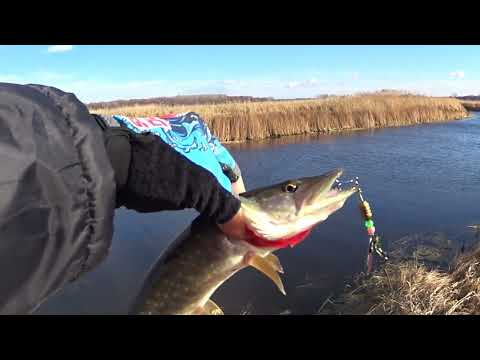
(238, 187)
(235, 227)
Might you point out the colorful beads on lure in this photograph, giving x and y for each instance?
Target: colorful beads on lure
(374, 239)
(366, 210)
(368, 223)
(374, 244)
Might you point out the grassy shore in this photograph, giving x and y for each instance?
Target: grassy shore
(414, 287)
(261, 120)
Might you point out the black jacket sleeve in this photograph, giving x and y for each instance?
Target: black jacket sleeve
(151, 176)
(57, 194)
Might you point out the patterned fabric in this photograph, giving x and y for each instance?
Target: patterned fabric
(188, 134)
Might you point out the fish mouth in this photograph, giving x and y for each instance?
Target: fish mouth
(313, 201)
(320, 193)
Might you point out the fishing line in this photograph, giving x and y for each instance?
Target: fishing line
(375, 240)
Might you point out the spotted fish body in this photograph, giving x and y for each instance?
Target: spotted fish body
(202, 258)
(185, 277)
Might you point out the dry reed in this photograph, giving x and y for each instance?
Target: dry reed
(410, 288)
(260, 120)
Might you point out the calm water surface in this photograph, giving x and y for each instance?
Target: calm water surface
(417, 179)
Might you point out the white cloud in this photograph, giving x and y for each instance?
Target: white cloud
(355, 76)
(302, 84)
(457, 74)
(230, 82)
(10, 78)
(95, 89)
(59, 48)
(293, 84)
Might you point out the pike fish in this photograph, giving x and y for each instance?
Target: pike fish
(202, 258)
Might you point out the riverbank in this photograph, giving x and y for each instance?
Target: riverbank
(471, 105)
(416, 285)
(237, 122)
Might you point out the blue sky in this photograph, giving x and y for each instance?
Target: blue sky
(101, 73)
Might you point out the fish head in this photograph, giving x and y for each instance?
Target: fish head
(285, 213)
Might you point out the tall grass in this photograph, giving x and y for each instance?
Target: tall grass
(410, 288)
(260, 120)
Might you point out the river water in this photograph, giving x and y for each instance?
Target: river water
(417, 179)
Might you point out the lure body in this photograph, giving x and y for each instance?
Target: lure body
(374, 239)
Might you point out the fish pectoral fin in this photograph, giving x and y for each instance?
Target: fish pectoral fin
(265, 266)
(210, 308)
(275, 262)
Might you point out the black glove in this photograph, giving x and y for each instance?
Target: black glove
(152, 176)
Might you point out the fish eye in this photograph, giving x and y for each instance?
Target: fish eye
(290, 187)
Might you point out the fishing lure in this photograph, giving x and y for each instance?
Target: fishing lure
(375, 241)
